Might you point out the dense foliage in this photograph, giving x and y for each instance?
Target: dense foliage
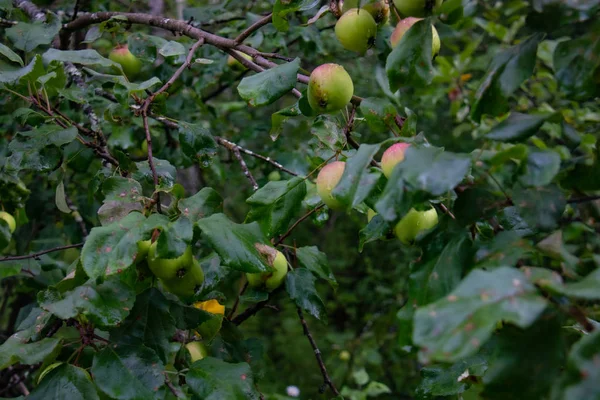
(171, 239)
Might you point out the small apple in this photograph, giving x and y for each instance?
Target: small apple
(356, 30)
(379, 10)
(131, 64)
(233, 63)
(415, 222)
(330, 88)
(270, 280)
(274, 176)
(212, 306)
(345, 355)
(327, 180)
(10, 220)
(197, 350)
(392, 156)
(143, 246)
(188, 284)
(403, 27)
(170, 268)
(417, 8)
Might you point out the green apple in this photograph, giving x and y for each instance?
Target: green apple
(274, 176)
(143, 246)
(188, 284)
(370, 214)
(233, 63)
(403, 27)
(169, 268)
(102, 46)
(131, 64)
(270, 280)
(415, 222)
(345, 355)
(327, 180)
(10, 220)
(379, 10)
(330, 88)
(197, 350)
(417, 8)
(392, 156)
(356, 30)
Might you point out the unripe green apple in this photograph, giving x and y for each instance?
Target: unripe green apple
(233, 63)
(392, 156)
(143, 246)
(327, 180)
(197, 350)
(274, 176)
(345, 355)
(169, 268)
(270, 280)
(330, 88)
(131, 64)
(379, 10)
(356, 30)
(415, 222)
(417, 8)
(10, 220)
(405, 24)
(188, 284)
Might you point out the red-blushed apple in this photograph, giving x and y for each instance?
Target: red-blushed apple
(392, 156)
(327, 180)
(330, 88)
(379, 10)
(356, 30)
(131, 64)
(417, 8)
(270, 280)
(415, 222)
(403, 27)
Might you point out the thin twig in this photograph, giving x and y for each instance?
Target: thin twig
(446, 210)
(40, 253)
(289, 231)
(584, 199)
(254, 27)
(248, 312)
(228, 144)
(245, 169)
(172, 388)
(327, 380)
(237, 300)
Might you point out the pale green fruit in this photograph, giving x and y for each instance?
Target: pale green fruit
(188, 284)
(379, 10)
(370, 214)
(270, 280)
(131, 64)
(10, 220)
(197, 350)
(143, 246)
(233, 63)
(345, 355)
(415, 222)
(417, 8)
(330, 88)
(392, 156)
(405, 24)
(356, 30)
(327, 180)
(274, 176)
(169, 268)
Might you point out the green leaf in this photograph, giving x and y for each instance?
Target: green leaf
(506, 248)
(517, 127)
(445, 380)
(27, 37)
(585, 289)
(18, 349)
(410, 61)
(300, 285)
(60, 198)
(5, 236)
(65, 382)
(203, 204)
(86, 57)
(541, 168)
(175, 238)
(379, 114)
(214, 379)
(283, 8)
(374, 230)
(128, 372)
(580, 380)
(357, 180)
(105, 305)
(196, 142)
(165, 171)
(279, 118)
(329, 133)
(121, 196)
(505, 74)
(11, 55)
(274, 205)
(267, 86)
(111, 249)
(235, 243)
(540, 207)
(150, 323)
(457, 325)
(32, 71)
(316, 262)
(575, 62)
